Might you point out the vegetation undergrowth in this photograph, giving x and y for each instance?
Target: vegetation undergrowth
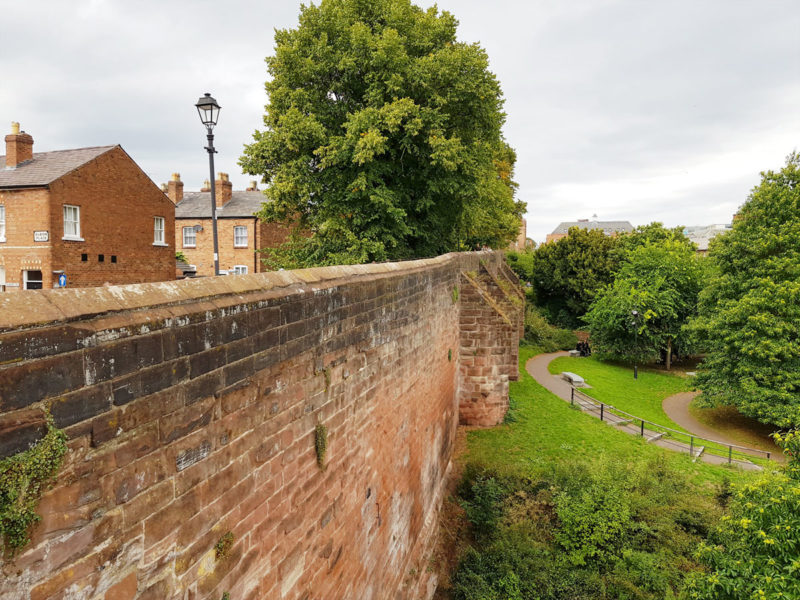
(544, 335)
(559, 505)
(23, 479)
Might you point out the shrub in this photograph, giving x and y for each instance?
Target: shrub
(593, 522)
(483, 504)
(541, 333)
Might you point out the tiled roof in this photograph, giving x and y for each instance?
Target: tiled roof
(45, 167)
(197, 205)
(607, 227)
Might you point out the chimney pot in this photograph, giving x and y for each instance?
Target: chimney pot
(206, 186)
(19, 147)
(176, 177)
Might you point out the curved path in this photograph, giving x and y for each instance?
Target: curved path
(537, 368)
(677, 409)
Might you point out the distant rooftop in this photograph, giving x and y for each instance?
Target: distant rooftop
(197, 205)
(607, 227)
(45, 167)
(703, 234)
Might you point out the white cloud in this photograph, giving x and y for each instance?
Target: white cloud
(631, 110)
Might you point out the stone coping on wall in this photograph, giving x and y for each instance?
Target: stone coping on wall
(32, 308)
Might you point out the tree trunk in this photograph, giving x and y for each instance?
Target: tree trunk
(669, 353)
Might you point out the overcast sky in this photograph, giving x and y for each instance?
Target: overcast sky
(629, 109)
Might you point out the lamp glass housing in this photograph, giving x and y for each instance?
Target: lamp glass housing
(208, 109)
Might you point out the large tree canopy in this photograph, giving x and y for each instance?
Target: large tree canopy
(382, 137)
(750, 314)
(661, 282)
(568, 273)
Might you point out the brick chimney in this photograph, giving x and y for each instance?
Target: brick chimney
(206, 186)
(224, 189)
(19, 147)
(253, 187)
(175, 188)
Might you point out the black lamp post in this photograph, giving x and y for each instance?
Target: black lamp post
(635, 315)
(208, 109)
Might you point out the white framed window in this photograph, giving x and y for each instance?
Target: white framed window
(72, 222)
(3, 227)
(239, 270)
(32, 280)
(240, 236)
(189, 237)
(158, 231)
(2, 279)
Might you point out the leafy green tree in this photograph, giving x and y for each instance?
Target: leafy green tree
(653, 234)
(382, 137)
(661, 283)
(750, 312)
(522, 263)
(568, 273)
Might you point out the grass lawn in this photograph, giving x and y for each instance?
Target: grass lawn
(548, 431)
(614, 384)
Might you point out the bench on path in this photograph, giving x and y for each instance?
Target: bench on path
(575, 379)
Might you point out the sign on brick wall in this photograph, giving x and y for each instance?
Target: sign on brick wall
(41, 236)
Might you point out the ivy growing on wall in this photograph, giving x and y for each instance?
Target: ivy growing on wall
(23, 479)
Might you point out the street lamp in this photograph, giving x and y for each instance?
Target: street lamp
(635, 315)
(208, 109)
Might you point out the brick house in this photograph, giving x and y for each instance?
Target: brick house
(90, 214)
(240, 233)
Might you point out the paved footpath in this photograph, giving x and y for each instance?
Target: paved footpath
(537, 368)
(677, 409)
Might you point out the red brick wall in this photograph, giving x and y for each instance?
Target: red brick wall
(191, 409)
(118, 202)
(27, 210)
(259, 235)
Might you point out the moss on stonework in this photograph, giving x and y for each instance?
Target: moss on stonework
(223, 546)
(455, 294)
(321, 444)
(23, 478)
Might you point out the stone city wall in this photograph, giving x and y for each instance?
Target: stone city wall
(193, 410)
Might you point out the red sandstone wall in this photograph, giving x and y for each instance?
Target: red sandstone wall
(191, 408)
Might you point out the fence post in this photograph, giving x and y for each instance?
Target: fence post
(642, 427)
(691, 445)
(768, 453)
(572, 396)
(601, 410)
(730, 454)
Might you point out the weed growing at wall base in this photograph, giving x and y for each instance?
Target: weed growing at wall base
(23, 479)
